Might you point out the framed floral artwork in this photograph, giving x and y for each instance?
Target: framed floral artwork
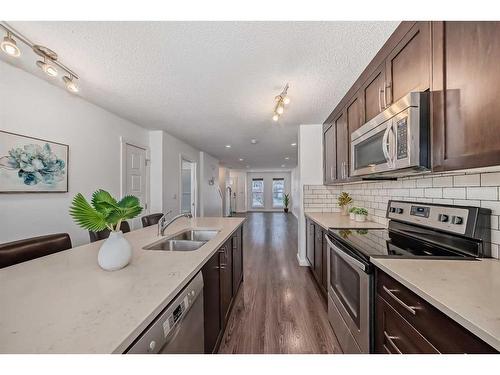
(32, 165)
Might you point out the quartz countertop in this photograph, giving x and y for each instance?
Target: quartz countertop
(64, 303)
(466, 291)
(337, 220)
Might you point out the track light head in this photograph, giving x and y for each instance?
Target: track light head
(48, 69)
(276, 117)
(9, 46)
(70, 84)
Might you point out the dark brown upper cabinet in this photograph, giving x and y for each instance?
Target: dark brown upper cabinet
(465, 92)
(408, 66)
(372, 94)
(343, 143)
(329, 155)
(354, 115)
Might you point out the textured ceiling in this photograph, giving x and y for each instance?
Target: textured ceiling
(213, 83)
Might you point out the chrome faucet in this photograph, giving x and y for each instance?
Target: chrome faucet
(163, 223)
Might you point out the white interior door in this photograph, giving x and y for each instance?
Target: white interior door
(188, 187)
(135, 174)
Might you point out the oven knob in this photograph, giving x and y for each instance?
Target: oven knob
(152, 346)
(443, 218)
(399, 210)
(457, 220)
(392, 209)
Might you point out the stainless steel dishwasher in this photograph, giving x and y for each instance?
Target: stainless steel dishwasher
(179, 328)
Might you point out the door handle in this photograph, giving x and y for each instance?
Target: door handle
(385, 145)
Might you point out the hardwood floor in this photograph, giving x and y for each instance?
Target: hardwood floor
(278, 308)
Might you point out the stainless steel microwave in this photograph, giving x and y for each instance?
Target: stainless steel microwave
(396, 142)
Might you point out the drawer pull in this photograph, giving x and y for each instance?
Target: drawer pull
(390, 292)
(391, 342)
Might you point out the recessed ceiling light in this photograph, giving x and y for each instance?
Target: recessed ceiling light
(228, 146)
(287, 158)
(282, 165)
(276, 117)
(294, 144)
(253, 141)
(241, 159)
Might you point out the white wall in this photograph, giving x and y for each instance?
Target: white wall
(295, 192)
(33, 107)
(310, 170)
(268, 188)
(166, 171)
(210, 201)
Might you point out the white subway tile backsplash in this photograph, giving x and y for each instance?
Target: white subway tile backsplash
(456, 193)
(486, 193)
(442, 181)
(467, 180)
(490, 179)
(433, 193)
(469, 189)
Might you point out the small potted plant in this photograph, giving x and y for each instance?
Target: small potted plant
(361, 214)
(105, 212)
(344, 200)
(352, 213)
(286, 202)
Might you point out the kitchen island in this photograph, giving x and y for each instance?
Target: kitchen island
(65, 303)
(465, 291)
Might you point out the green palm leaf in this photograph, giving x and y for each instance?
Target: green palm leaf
(104, 212)
(87, 216)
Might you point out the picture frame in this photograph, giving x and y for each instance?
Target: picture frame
(32, 165)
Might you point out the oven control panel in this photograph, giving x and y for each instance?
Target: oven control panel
(448, 218)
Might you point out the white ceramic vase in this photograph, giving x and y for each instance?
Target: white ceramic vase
(115, 253)
(360, 217)
(352, 216)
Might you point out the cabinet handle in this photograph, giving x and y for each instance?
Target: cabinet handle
(385, 97)
(331, 173)
(379, 100)
(391, 342)
(388, 86)
(387, 350)
(390, 292)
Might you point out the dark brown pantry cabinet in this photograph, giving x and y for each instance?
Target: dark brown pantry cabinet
(220, 273)
(465, 92)
(407, 324)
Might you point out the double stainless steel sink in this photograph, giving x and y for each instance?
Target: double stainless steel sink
(188, 240)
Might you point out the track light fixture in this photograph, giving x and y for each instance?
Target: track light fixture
(49, 63)
(281, 100)
(9, 46)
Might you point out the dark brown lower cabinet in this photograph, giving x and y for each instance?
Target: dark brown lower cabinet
(219, 288)
(407, 324)
(316, 254)
(237, 260)
(226, 280)
(211, 303)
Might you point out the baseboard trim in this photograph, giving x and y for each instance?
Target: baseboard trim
(302, 262)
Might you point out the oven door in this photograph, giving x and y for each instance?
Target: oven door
(349, 286)
(374, 150)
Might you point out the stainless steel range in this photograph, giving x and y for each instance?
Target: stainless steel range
(415, 229)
